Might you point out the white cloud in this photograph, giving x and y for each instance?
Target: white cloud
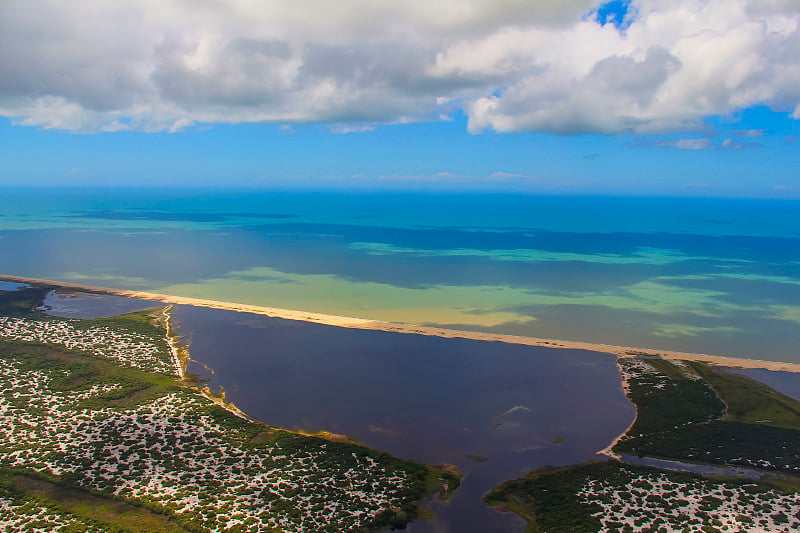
(344, 129)
(731, 144)
(511, 65)
(750, 133)
(692, 144)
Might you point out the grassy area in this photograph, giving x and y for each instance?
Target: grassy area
(749, 401)
(666, 399)
(723, 442)
(107, 513)
(545, 499)
(698, 413)
(148, 322)
(666, 368)
(608, 496)
(74, 371)
(160, 456)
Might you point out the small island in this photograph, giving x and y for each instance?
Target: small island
(103, 430)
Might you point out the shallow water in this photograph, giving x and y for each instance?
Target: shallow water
(11, 285)
(511, 408)
(84, 305)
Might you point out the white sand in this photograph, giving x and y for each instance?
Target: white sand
(361, 323)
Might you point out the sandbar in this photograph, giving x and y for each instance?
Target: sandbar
(378, 325)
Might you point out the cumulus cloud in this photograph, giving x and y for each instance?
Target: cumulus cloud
(561, 66)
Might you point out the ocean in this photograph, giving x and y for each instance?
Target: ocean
(718, 276)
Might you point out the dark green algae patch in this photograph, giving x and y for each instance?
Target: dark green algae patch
(69, 495)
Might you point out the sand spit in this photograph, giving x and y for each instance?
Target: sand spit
(377, 325)
(608, 451)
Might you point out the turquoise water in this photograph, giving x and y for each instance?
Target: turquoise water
(715, 276)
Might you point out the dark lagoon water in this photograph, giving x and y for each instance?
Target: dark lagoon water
(495, 410)
(85, 305)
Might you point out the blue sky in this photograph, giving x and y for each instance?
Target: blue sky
(577, 97)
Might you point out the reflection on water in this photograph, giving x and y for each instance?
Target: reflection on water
(495, 410)
(84, 305)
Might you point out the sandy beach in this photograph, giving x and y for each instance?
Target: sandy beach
(366, 324)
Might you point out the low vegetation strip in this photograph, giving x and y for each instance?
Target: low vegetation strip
(128, 348)
(613, 496)
(88, 508)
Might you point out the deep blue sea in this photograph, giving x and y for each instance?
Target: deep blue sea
(717, 276)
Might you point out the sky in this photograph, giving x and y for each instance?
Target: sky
(678, 97)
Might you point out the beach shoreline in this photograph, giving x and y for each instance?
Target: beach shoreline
(377, 325)
(608, 451)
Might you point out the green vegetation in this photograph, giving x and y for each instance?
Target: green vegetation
(75, 372)
(546, 499)
(749, 401)
(94, 434)
(148, 322)
(605, 496)
(734, 443)
(22, 301)
(665, 398)
(108, 513)
(686, 411)
(697, 413)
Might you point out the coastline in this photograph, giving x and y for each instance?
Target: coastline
(608, 451)
(377, 325)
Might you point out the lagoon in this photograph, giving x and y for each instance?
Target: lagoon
(495, 410)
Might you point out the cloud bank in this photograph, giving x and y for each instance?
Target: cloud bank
(559, 66)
